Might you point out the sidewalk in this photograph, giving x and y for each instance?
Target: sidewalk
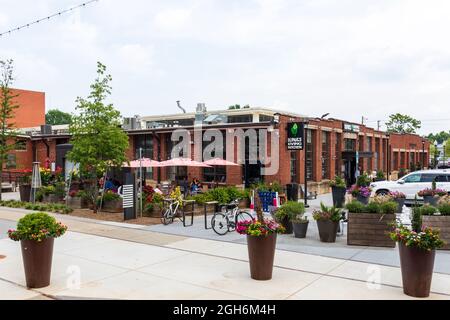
(116, 262)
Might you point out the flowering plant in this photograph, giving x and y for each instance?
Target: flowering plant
(427, 239)
(432, 192)
(258, 229)
(37, 227)
(328, 213)
(362, 191)
(397, 195)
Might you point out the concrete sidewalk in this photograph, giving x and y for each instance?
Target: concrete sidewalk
(93, 261)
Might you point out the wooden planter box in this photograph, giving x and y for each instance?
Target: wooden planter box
(443, 224)
(112, 206)
(51, 198)
(77, 203)
(370, 229)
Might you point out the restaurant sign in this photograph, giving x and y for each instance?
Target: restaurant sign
(350, 127)
(295, 136)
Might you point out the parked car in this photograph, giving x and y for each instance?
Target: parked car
(412, 183)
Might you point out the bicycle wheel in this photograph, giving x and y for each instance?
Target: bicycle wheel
(167, 217)
(219, 223)
(243, 216)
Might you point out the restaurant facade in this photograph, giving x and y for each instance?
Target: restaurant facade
(319, 150)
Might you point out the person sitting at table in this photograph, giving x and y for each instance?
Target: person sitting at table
(195, 186)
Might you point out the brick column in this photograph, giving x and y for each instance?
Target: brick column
(332, 150)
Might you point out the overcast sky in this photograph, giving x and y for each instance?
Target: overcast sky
(351, 58)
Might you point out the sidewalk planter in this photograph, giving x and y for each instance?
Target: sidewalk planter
(431, 200)
(370, 229)
(37, 262)
(25, 192)
(300, 229)
(417, 270)
(327, 230)
(112, 206)
(287, 224)
(77, 202)
(338, 194)
(36, 233)
(441, 223)
(261, 254)
(363, 200)
(51, 198)
(400, 203)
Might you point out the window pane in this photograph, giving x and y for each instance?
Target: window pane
(413, 178)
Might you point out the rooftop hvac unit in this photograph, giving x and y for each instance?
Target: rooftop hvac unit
(201, 108)
(132, 123)
(46, 129)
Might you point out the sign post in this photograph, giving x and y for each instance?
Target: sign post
(297, 135)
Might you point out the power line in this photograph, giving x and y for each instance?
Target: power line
(47, 18)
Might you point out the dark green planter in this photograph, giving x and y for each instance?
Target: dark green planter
(338, 194)
(300, 229)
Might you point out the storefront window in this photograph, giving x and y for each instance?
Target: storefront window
(309, 155)
(337, 155)
(219, 173)
(369, 148)
(294, 171)
(11, 161)
(325, 155)
(349, 144)
(145, 142)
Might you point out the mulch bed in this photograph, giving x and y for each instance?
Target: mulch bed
(116, 217)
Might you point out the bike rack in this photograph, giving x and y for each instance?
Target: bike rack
(191, 212)
(205, 205)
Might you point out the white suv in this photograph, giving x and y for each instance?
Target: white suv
(413, 182)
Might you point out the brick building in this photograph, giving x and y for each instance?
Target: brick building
(331, 147)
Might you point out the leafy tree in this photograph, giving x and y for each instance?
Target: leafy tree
(439, 137)
(402, 123)
(55, 117)
(97, 139)
(233, 107)
(7, 107)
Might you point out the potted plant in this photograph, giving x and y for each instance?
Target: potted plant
(438, 218)
(431, 196)
(338, 188)
(361, 193)
(287, 213)
(36, 233)
(261, 240)
(417, 250)
(327, 219)
(380, 176)
(369, 225)
(399, 198)
(111, 202)
(77, 199)
(300, 224)
(25, 185)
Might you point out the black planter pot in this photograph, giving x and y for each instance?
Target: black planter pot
(363, 200)
(37, 262)
(338, 194)
(300, 229)
(327, 230)
(25, 192)
(400, 204)
(287, 224)
(261, 254)
(430, 200)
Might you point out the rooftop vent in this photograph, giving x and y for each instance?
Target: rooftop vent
(132, 123)
(46, 129)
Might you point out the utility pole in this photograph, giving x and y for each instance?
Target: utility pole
(378, 125)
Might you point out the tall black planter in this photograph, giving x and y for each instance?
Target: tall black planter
(287, 224)
(431, 200)
(25, 192)
(338, 194)
(363, 200)
(400, 204)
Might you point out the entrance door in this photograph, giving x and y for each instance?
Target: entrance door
(350, 169)
(252, 173)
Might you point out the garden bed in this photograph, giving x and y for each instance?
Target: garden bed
(443, 224)
(370, 229)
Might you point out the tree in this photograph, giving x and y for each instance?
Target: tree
(55, 117)
(97, 139)
(402, 123)
(439, 137)
(7, 107)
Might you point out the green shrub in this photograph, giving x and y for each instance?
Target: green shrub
(373, 207)
(426, 210)
(389, 207)
(444, 209)
(37, 226)
(363, 180)
(291, 210)
(338, 182)
(355, 207)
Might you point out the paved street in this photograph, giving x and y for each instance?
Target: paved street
(98, 260)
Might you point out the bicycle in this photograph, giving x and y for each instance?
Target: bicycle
(171, 212)
(223, 222)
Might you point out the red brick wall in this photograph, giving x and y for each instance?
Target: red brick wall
(31, 111)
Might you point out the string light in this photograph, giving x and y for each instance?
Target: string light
(47, 18)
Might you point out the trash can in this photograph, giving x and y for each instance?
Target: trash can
(292, 191)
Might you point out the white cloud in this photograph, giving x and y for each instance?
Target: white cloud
(172, 19)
